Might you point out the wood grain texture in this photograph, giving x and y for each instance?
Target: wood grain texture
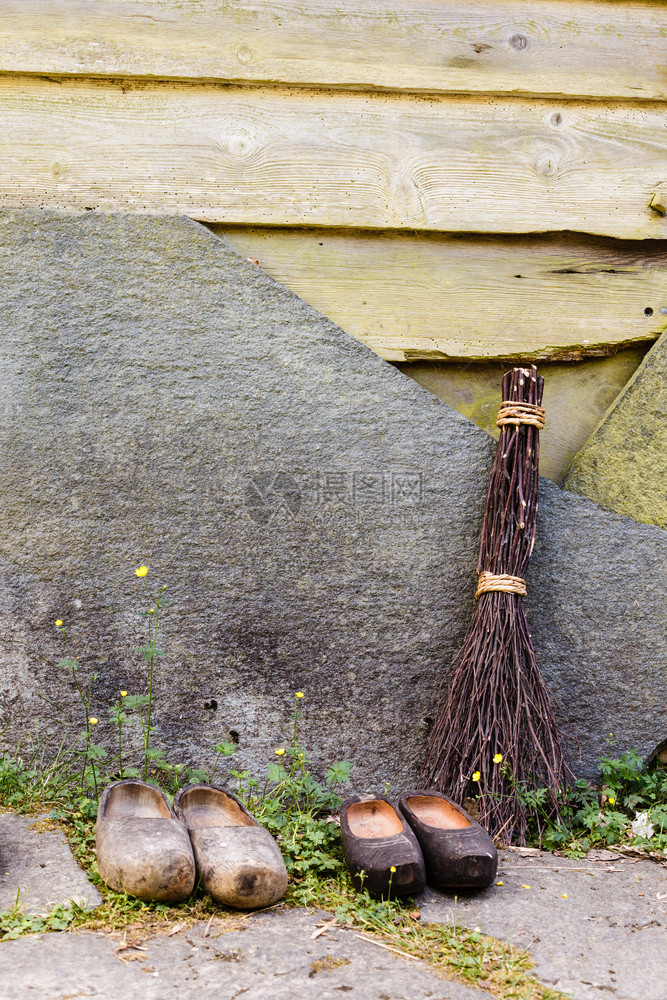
(271, 157)
(548, 47)
(472, 298)
(575, 397)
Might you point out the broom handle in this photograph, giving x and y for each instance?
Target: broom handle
(506, 541)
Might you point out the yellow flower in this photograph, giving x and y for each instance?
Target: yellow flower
(58, 623)
(525, 887)
(476, 776)
(280, 751)
(500, 883)
(141, 571)
(92, 720)
(123, 693)
(299, 694)
(497, 758)
(563, 895)
(152, 611)
(392, 869)
(611, 800)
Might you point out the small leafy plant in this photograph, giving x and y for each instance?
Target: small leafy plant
(14, 923)
(150, 653)
(153, 760)
(82, 765)
(297, 808)
(628, 807)
(94, 751)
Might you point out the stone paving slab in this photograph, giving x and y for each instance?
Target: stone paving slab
(270, 957)
(608, 938)
(38, 868)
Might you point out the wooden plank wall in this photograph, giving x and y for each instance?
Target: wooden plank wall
(451, 182)
(457, 298)
(554, 48)
(288, 157)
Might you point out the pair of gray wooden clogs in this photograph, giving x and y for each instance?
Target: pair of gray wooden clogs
(154, 852)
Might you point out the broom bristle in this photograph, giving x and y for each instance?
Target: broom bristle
(496, 703)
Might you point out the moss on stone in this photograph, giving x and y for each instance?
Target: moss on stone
(622, 466)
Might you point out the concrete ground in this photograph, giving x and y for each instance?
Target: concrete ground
(270, 957)
(595, 928)
(37, 868)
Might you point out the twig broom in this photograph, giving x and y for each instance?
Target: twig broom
(496, 705)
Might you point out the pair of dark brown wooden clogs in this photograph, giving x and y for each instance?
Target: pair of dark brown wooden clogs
(148, 849)
(430, 839)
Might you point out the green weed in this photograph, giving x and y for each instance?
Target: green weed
(628, 807)
(14, 923)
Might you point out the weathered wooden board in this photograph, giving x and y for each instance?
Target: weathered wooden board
(411, 297)
(253, 156)
(596, 49)
(575, 396)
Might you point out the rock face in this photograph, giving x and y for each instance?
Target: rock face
(623, 465)
(314, 513)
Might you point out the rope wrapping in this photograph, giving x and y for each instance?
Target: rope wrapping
(517, 413)
(487, 582)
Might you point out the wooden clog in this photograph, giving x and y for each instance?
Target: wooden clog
(376, 839)
(238, 862)
(142, 848)
(458, 853)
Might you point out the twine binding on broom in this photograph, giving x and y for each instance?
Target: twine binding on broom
(520, 413)
(508, 584)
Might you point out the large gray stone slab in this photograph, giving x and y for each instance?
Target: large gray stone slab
(314, 513)
(272, 957)
(623, 465)
(596, 927)
(37, 868)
